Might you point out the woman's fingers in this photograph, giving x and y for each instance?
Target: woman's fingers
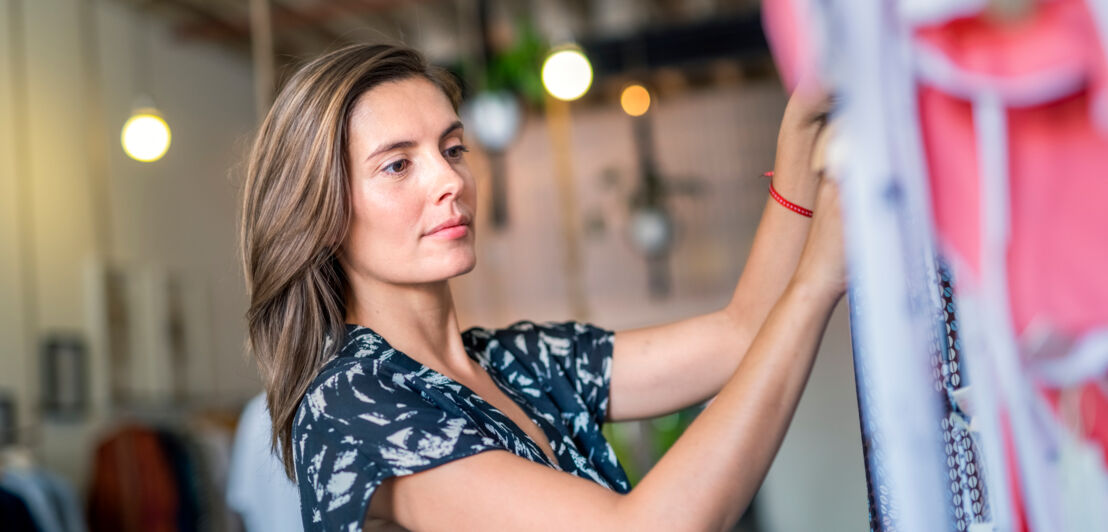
(809, 105)
(805, 116)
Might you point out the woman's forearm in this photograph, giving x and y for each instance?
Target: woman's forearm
(708, 477)
(773, 258)
(781, 234)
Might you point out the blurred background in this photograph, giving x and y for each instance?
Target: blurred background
(625, 191)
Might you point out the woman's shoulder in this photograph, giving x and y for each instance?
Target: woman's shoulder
(365, 369)
(538, 330)
(539, 342)
(360, 352)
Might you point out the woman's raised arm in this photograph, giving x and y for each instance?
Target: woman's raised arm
(707, 478)
(661, 369)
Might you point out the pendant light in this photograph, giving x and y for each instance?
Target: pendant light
(567, 73)
(146, 135)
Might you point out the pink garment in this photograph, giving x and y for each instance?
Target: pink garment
(1092, 410)
(1048, 71)
(1027, 99)
(1051, 78)
(789, 32)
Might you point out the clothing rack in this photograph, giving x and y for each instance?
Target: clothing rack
(163, 464)
(33, 497)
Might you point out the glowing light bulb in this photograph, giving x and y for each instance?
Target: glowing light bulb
(635, 100)
(145, 136)
(567, 74)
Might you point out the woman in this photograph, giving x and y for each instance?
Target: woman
(359, 208)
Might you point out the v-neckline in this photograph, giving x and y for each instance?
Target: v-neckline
(419, 368)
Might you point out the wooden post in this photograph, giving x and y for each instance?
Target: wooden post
(558, 127)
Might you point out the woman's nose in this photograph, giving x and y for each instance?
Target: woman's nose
(448, 182)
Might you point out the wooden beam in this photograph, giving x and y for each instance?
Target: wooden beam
(302, 20)
(234, 34)
(218, 28)
(285, 18)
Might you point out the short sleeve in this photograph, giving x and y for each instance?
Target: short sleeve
(572, 355)
(585, 352)
(360, 424)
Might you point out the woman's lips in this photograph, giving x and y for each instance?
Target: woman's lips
(451, 232)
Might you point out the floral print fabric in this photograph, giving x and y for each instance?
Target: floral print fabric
(374, 413)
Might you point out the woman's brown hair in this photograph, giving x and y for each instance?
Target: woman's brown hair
(295, 215)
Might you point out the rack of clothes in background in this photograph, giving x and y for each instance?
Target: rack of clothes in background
(32, 498)
(211, 470)
(163, 467)
(163, 471)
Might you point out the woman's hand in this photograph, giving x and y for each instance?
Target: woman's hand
(805, 115)
(802, 148)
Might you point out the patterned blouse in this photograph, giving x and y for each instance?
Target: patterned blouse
(374, 413)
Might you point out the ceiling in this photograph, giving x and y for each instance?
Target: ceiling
(443, 29)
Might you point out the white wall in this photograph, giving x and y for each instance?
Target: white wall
(14, 371)
(91, 205)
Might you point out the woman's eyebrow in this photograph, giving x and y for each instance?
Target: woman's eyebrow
(452, 128)
(457, 125)
(390, 147)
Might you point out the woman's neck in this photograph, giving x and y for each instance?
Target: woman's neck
(419, 320)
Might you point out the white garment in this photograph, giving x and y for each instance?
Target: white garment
(257, 487)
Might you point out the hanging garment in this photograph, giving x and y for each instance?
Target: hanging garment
(966, 503)
(791, 34)
(968, 493)
(212, 434)
(63, 500)
(14, 513)
(1000, 126)
(49, 499)
(1047, 75)
(257, 487)
(187, 476)
(921, 461)
(26, 484)
(1012, 120)
(133, 484)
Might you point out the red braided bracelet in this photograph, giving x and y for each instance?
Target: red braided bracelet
(784, 202)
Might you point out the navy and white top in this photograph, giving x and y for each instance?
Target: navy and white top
(373, 413)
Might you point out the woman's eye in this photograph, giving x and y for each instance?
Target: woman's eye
(397, 167)
(455, 152)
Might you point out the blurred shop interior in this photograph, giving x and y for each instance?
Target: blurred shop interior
(632, 203)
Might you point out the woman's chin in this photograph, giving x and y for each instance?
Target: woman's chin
(443, 267)
(466, 267)
(459, 264)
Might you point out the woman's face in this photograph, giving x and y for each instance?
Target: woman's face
(412, 196)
